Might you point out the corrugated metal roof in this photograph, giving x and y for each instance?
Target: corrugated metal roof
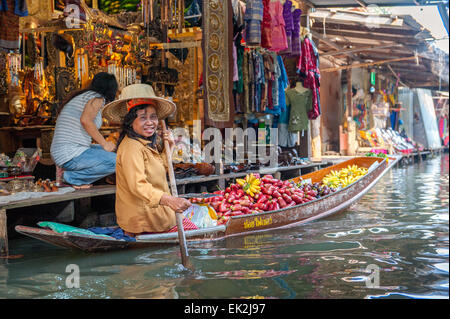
(381, 3)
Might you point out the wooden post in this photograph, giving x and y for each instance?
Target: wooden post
(4, 251)
(316, 140)
(351, 127)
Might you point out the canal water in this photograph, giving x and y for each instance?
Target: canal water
(393, 244)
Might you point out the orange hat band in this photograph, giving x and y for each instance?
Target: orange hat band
(136, 102)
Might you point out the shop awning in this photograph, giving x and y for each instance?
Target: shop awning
(395, 45)
(380, 3)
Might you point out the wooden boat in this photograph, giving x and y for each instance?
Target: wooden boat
(237, 225)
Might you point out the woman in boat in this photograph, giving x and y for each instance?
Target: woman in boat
(143, 200)
(77, 125)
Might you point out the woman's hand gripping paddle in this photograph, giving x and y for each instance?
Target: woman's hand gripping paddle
(181, 235)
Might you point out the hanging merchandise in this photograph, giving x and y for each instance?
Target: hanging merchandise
(264, 80)
(82, 69)
(14, 65)
(373, 77)
(283, 84)
(285, 137)
(39, 70)
(253, 18)
(300, 101)
(289, 26)
(296, 41)
(266, 26)
(3, 74)
(10, 12)
(308, 68)
(218, 62)
(125, 75)
(279, 38)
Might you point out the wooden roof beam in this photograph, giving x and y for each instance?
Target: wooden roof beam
(368, 64)
(333, 45)
(362, 49)
(370, 36)
(362, 27)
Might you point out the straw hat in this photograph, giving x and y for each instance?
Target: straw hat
(115, 111)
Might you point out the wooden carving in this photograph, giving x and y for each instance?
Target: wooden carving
(66, 83)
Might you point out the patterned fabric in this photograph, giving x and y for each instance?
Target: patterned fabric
(9, 37)
(259, 80)
(218, 63)
(266, 27)
(289, 25)
(309, 68)
(296, 47)
(187, 225)
(283, 83)
(279, 40)
(253, 18)
(20, 7)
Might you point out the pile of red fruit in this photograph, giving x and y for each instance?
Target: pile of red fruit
(274, 195)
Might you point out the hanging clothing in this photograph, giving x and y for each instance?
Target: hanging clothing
(246, 81)
(279, 40)
(283, 84)
(288, 26)
(259, 80)
(301, 105)
(296, 43)
(286, 138)
(238, 13)
(253, 18)
(308, 67)
(266, 26)
(275, 85)
(9, 36)
(18, 7)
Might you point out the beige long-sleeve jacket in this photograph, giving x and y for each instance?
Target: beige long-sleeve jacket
(141, 181)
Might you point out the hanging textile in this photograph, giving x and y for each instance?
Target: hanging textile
(279, 39)
(301, 105)
(18, 7)
(218, 59)
(309, 69)
(253, 19)
(296, 42)
(289, 26)
(9, 36)
(3, 74)
(266, 26)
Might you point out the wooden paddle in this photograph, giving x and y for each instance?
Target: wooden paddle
(181, 236)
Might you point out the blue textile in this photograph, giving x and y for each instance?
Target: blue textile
(115, 232)
(92, 165)
(20, 7)
(283, 83)
(253, 17)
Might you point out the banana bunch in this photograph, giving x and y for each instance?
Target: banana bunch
(250, 185)
(344, 177)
